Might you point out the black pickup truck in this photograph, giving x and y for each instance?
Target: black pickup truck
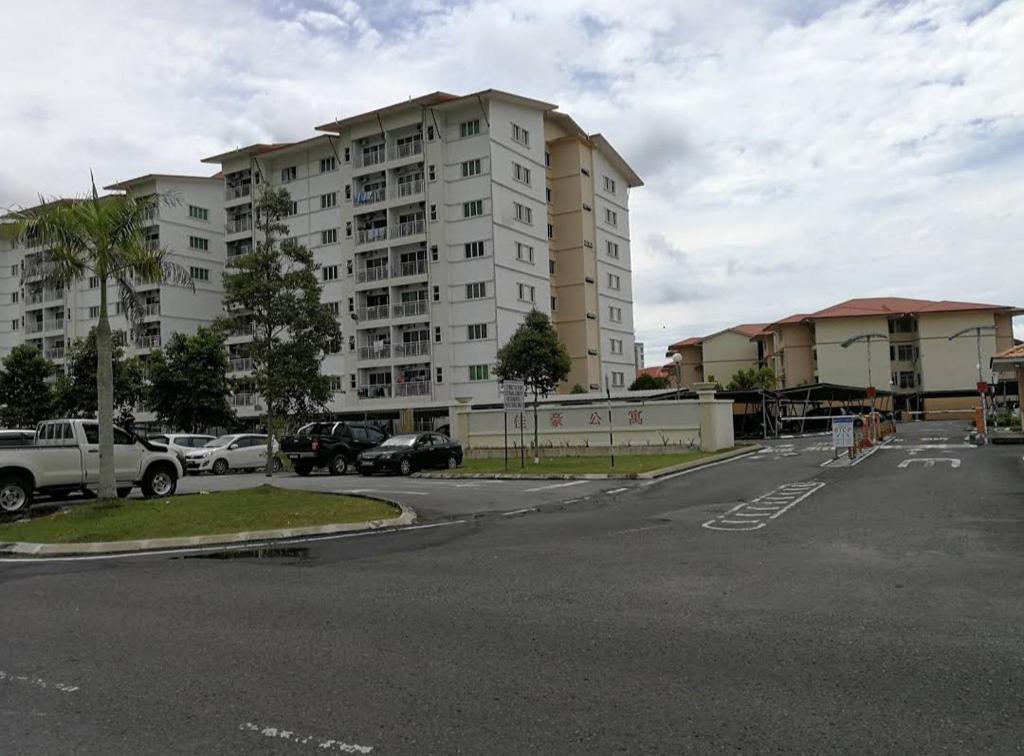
(333, 446)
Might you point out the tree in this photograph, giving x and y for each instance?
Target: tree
(753, 379)
(275, 291)
(27, 397)
(188, 382)
(74, 391)
(577, 389)
(535, 356)
(101, 238)
(645, 382)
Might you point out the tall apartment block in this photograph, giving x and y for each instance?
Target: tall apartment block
(438, 223)
(190, 227)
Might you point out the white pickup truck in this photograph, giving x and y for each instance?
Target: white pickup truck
(65, 457)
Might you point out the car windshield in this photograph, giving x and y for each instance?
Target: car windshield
(221, 441)
(400, 441)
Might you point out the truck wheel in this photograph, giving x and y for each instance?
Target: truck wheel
(339, 465)
(220, 467)
(122, 493)
(159, 480)
(301, 468)
(15, 493)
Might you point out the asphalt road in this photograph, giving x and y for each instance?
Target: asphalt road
(765, 605)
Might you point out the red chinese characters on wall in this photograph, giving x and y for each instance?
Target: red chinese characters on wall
(635, 417)
(556, 419)
(595, 418)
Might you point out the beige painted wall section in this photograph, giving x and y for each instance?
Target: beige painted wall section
(794, 345)
(950, 365)
(691, 371)
(726, 353)
(849, 367)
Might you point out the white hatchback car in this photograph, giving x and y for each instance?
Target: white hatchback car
(182, 443)
(238, 451)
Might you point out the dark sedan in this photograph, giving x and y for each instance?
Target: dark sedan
(411, 451)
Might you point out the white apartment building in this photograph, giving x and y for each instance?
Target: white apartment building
(190, 227)
(438, 223)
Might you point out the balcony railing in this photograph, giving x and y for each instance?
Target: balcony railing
(375, 391)
(248, 330)
(363, 158)
(375, 352)
(411, 268)
(53, 295)
(238, 225)
(241, 364)
(243, 399)
(54, 353)
(411, 309)
(409, 228)
(374, 312)
(33, 326)
(34, 299)
(368, 198)
(149, 340)
(234, 192)
(412, 388)
(153, 308)
(412, 348)
(408, 149)
(239, 250)
(368, 235)
(374, 273)
(54, 325)
(407, 189)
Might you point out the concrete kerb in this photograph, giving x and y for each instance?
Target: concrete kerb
(407, 517)
(739, 451)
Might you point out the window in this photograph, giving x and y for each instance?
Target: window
(903, 325)
(328, 164)
(431, 172)
(199, 274)
(437, 334)
(437, 293)
(618, 379)
(547, 194)
(613, 249)
(469, 128)
(352, 380)
(433, 213)
(584, 171)
(611, 217)
(906, 379)
(14, 297)
(904, 352)
(520, 173)
(547, 159)
(329, 272)
(336, 384)
(348, 229)
(198, 213)
(94, 311)
(524, 252)
(588, 244)
(614, 282)
(616, 345)
(329, 236)
(523, 213)
(348, 191)
(14, 324)
(475, 249)
(348, 267)
(527, 293)
(433, 253)
(94, 282)
(348, 154)
(476, 290)
(609, 185)
(554, 304)
(430, 133)
(521, 135)
(478, 372)
(328, 200)
(199, 243)
(335, 308)
(615, 314)
(471, 168)
(476, 331)
(288, 174)
(551, 267)
(293, 209)
(472, 208)
(439, 376)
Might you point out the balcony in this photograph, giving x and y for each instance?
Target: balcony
(33, 326)
(375, 352)
(407, 189)
(54, 353)
(238, 225)
(374, 273)
(412, 348)
(54, 325)
(246, 331)
(411, 309)
(412, 268)
(412, 388)
(236, 192)
(148, 340)
(374, 312)
(240, 364)
(153, 308)
(243, 399)
(405, 150)
(368, 198)
(34, 298)
(53, 295)
(370, 235)
(409, 228)
(375, 391)
(368, 157)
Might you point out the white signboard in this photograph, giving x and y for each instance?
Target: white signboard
(842, 432)
(514, 394)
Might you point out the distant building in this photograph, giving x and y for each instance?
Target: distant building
(638, 356)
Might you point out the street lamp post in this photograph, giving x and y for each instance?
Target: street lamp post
(977, 330)
(867, 338)
(678, 360)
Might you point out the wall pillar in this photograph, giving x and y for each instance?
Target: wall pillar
(716, 431)
(458, 419)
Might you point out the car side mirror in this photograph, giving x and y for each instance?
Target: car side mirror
(233, 446)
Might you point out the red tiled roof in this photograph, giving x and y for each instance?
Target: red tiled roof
(656, 372)
(692, 341)
(1013, 354)
(854, 308)
(749, 329)
(792, 319)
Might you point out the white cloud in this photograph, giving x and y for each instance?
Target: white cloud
(795, 153)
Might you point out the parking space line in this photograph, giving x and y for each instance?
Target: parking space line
(755, 515)
(556, 485)
(290, 736)
(616, 490)
(37, 681)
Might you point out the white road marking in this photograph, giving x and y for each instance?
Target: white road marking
(930, 461)
(524, 510)
(383, 491)
(37, 681)
(935, 438)
(556, 485)
(663, 478)
(616, 490)
(914, 447)
(232, 547)
(313, 741)
(756, 516)
(635, 530)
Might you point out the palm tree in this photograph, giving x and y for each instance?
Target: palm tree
(102, 237)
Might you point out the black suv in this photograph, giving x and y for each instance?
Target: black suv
(333, 446)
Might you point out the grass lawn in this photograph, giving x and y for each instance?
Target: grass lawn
(261, 508)
(624, 463)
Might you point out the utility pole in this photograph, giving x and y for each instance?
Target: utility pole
(977, 330)
(867, 338)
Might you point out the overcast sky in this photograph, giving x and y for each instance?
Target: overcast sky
(795, 154)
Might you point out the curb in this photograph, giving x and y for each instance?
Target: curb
(407, 517)
(739, 451)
